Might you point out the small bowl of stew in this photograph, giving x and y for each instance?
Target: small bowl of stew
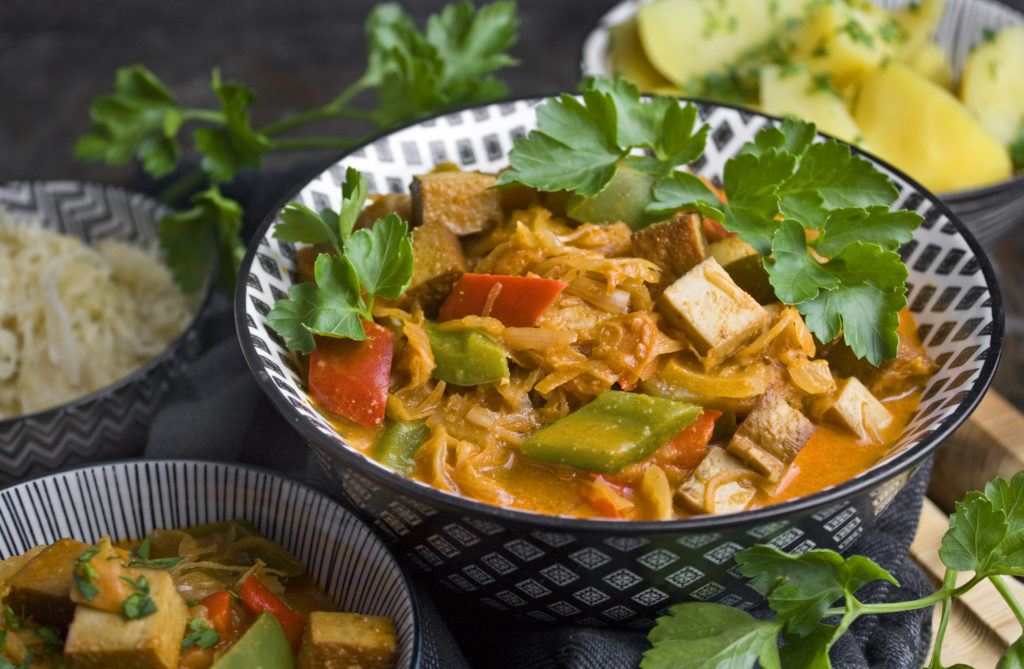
(584, 422)
(176, 563)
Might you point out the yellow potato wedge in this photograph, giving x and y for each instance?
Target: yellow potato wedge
(917, 22)
(685, 40)
(919, 127)
(629, 60)
(793, 91)
(992, 84)
(930, 61)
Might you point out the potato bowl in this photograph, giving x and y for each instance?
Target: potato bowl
(112, 422)
(604, 571)
(126, 500)
(989, 212)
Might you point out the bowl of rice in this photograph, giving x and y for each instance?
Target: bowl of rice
(93, 329)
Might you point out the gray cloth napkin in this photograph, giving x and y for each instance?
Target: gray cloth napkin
(217, 412)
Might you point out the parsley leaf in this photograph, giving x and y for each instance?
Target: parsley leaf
(190, 240)
(235, 145)
(84, 575)
(140, 603)
(800, 588)
(986, 533)
(376, 261)
(699, 635)
(200, 634)
(141, 116)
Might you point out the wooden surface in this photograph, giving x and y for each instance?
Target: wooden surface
(989, 444)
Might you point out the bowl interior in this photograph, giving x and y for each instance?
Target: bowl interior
(952, 290)
(128, 499)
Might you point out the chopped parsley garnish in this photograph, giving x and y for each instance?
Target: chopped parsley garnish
(849, 280)
(141, 558)
(369, 262)
(51, 640)
(1017, 147)
(84, 575)
(140, 603)
(200, 634)
(12, 621)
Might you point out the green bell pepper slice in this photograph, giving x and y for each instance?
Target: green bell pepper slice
(263, 646)
(616, 429)
(398, 445)
(466, 357)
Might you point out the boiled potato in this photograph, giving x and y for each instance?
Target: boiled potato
(845, 39)
(628, 59)
(685, 40)
(931, 62)
(917, 22)
(992, 84)
(793, 91)
(922, 129)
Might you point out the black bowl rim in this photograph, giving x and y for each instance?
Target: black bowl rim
(156, 361)
(465, 506)
(417, 613)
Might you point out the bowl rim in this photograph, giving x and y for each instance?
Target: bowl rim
(417, 612)
(909, 459)
(596, 37)
(178, 343)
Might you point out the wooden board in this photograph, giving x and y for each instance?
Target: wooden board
(989, 444)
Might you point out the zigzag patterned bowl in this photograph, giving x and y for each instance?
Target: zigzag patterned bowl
(128, 499)
(602, 572)
(112, 422)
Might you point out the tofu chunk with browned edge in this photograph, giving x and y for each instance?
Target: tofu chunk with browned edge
(41, 589)
(853, 407)
(337, 640)
(99, 639)
(720, 483)
(676, 246)
(439, 262)
(462, 201)
(770, 437)
(715, 314)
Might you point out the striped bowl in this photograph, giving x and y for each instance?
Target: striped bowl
(128, 499)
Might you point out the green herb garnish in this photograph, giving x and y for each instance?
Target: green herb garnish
(29, 657)
(200, 634)
(141, 558)
(140, 603)
(849, 280)
(84, 575)
(369, 262)
(985, 536)
(413, 74)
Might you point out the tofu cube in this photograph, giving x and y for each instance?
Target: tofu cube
(101, 639)
(770, 437)
(720, 483)
(716, 315)
(856, 409)
(337, 640)
(464, 202)
(41, 589)
(676, 246)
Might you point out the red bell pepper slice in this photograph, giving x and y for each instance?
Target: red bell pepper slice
(518, 301)
(688, 447)
(258, 599)
(351, 377)
(218, 611)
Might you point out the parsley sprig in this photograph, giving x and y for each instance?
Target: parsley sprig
(141, 558)
(412, 73)
(847, 278)
(84, 574)
(201, 634)
(366, 263)
(140, 603)
(985, 537)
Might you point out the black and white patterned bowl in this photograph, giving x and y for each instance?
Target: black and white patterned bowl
(989, 212)
(604, 572)
(112, 422)
(126, 500)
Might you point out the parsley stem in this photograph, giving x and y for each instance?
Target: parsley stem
(182, 186)
(1011, 601)
(948, 581)
(333, 109)
(304, 143)
(205, 115)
